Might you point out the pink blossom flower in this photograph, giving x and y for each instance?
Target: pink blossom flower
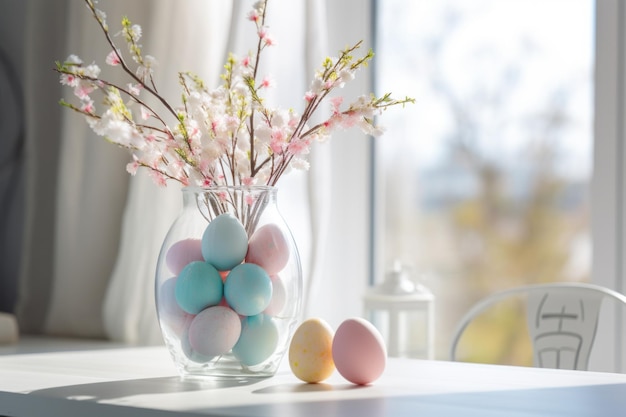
(82, 90)
(245, 62)
(267, 82)
(309, 96)
(158, 178)
(335, 103)
(277, 140)
(332, 121)
(193, 132)
(134, 89)
(145, 113)
(132, 167)
(268, 39)
(350, 119)
(298, 147)
(253, 16)
(88, 107)
(232, 122)
(247, 181)
(113, 58)
(276, 146)
(69, 79)
(249, 200)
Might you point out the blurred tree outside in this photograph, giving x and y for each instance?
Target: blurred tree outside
(496, 209)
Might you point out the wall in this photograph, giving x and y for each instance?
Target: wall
(12, 149)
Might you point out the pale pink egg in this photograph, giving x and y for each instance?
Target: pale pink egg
(182, 253)
(268, 248)
(214, 331)
(279, 297)
(170, 313)
(359, 351)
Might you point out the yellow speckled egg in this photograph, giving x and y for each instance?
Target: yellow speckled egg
(310, 351)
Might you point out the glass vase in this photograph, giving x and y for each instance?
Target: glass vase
(228, 283)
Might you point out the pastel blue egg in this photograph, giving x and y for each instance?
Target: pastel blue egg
(198, 286)
(224, 242)
(258, 340)
(248, 289)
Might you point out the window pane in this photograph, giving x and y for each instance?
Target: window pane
(486, 176)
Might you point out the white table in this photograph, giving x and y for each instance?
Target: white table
(142, 382)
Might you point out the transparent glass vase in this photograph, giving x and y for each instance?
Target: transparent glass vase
(228, 284)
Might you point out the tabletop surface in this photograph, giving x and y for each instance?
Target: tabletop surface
(142, 382)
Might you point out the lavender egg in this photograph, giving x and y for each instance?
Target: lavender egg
(182, 253)
(171, 315)
(189, 352)
(214, 331)
(224, 242)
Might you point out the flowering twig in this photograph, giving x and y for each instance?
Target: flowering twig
(224, 136)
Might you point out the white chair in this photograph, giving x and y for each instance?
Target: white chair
(562, 319)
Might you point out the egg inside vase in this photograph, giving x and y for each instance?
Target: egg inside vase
(228, 284)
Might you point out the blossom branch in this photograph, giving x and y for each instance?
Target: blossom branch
(98, 15)
(224, 136)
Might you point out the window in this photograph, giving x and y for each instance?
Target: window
(484, 182)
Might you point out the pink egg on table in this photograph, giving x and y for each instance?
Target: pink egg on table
(214, 331)
(359, 351)
(170, 313)
(268, 248)
(182, 253)
(279, 297)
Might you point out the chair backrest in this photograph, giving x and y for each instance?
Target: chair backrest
(562, 320)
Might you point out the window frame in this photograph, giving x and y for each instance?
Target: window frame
(608, 226)
(608, 182)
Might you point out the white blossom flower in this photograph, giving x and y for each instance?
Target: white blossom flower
(92, 71)
(299, 163)
(73, 60)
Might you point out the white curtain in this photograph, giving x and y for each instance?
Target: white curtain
(109, 226)
(103, 215)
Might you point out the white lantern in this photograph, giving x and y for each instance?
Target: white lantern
(404, 312)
